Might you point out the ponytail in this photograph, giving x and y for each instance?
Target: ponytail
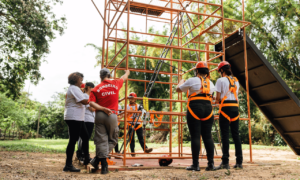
(88, 84)
(227, 70)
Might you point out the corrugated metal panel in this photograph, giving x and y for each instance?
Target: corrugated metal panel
(267, 89)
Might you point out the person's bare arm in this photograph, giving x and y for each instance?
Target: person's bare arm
(100, 108)
(125, 76)
(179, 84)
(91, 109)
(218, 98)
(85, 101)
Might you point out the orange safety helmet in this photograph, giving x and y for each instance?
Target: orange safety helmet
(132, 94)
(165, 162)
(201, 64)
(223, 63)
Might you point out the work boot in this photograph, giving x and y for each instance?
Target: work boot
(148, 150)
(223, 166)
(193, 168)
(95, 162)
(210, 167)
(104, 166)
(238, 166)
(70, 168)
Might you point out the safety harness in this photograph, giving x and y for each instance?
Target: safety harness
(129, 117)
(204, 95)
(232, 89)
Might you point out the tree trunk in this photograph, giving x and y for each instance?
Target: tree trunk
(161, 136)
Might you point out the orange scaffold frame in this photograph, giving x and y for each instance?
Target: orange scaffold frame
(115, 9)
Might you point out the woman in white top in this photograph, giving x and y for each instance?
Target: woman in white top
(199, 114)
(89, 118)
(119, 118)
(227, 90)
(74, 117)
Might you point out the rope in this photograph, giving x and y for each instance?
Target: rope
(158, 117)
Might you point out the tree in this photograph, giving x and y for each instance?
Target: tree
(26, 28)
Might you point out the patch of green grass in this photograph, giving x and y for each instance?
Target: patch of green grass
(38, 145)
(60, 145)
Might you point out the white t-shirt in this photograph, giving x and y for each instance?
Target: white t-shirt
(89, 115)
(194, 84)
(222, 86)
(134, 108)
(74, 110)
(119, 107)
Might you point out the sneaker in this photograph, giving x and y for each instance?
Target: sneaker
(210, 167)
(70, 168)
(223, 166)
(193, 168)
(148, 150)
(238, 166)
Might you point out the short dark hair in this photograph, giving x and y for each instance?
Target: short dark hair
(74, 77)
(104, 72)
(88, 84)
(227, 70)
(203, 71)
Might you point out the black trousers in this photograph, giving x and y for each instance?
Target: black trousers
(76, 129)
(139, 133)
(199, 128)
(234, 127)
(89, 127)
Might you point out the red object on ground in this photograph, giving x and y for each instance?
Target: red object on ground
(165, 162)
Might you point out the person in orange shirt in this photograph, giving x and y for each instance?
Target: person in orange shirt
(133, 106)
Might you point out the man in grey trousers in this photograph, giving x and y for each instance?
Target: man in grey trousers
(104, 98)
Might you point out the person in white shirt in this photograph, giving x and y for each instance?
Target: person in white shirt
(199, 115)
(89, 118)
(227, 88)
(119, 117)
(74, 117)
(133, 106)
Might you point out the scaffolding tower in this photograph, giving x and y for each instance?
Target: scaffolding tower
(195, 26)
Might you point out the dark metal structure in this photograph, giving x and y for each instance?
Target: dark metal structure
(267, 89)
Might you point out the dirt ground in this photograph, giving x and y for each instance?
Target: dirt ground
(269, 164)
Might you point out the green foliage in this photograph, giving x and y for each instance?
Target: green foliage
(26, 28)
(14, 115)
(11, 113)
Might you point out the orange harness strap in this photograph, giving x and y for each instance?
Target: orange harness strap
(131, 114)
(232, 89)
(138, 127)
(205, 89)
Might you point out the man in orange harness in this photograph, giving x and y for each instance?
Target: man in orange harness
(227, 89)
(199, 114)
(133, 106)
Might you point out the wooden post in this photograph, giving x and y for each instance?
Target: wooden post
(38, 126)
